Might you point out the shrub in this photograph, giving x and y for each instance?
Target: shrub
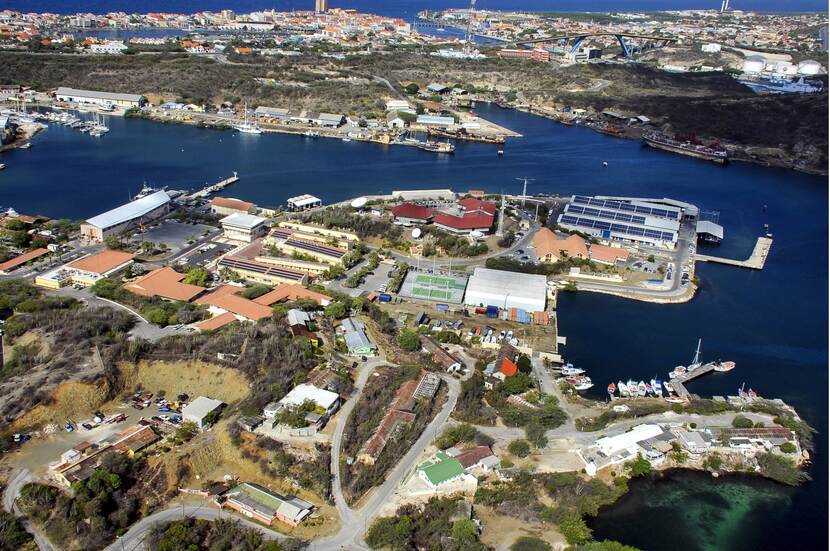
(519, 448)
(741, 422)
(788, 447)
(638, 467)
(530, 543)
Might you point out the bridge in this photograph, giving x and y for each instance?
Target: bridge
(579, 38)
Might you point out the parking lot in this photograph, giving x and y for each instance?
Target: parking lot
(176, 235)
(206, 254)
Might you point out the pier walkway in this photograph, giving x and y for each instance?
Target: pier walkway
(755, 261)
(677, 382)
(218, 186)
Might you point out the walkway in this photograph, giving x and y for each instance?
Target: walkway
(755, 261)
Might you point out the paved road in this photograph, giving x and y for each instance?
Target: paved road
(10, 495)
(133, 540)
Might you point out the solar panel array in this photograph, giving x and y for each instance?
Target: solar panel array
(628, 207)
(618, 228)
(315, 247)
(259, 267)
(607, 214)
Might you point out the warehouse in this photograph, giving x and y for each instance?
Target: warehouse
(502, 289)
(303, 202)
(126, 216)
(99, 98)
(86, 270)
(202, 411)
(225, 206)
(627, 220)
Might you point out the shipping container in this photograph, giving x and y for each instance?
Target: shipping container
(492, 311)
(383, 297)
(442, 307)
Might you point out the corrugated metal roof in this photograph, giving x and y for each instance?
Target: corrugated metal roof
(130, 211)
(247, 221)
(706, 226)
(64, 91)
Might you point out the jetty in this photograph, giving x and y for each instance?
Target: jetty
(678, 382)
(218, 186)
(755, 261)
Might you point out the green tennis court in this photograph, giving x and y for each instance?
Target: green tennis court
(444, 288)
(430, 293)
(440, 281)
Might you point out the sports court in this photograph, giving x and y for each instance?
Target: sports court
(443, 287)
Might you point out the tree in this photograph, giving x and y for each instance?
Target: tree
(411, 88)
(573, 527)
(336, 310)
(147, 247)
(113, 242)
(519, 448)
(741, 422)
(524, 364)
(788, 447)
(409, 340)
(638, 467)
(197, 276)
(13, 535)
(530, 543)
(464, 530)
(535, 433)
(407, 117)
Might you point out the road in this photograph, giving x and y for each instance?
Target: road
(10, 495)
(350, 535)
(133, 540)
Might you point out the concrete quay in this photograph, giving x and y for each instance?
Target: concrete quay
(755, 261)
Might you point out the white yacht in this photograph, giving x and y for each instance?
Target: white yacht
(246, 127)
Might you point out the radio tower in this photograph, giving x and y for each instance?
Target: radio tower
(468, 41)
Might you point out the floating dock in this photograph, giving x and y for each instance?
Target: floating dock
(755, 261)
(218, 186)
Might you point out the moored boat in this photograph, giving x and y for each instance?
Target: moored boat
(612, 388)
(668, 386)
(724, 366)
(641, 388)
(623, 388)
(632, 388)
(658, 387)
(675, 400)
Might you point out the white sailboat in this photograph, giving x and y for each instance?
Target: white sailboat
(246, 127)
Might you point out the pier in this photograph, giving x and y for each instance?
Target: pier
(218, 186)
(677, 382)
(755, 261)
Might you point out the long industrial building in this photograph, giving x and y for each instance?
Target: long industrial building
(126, 216)
(632, 220)
(504, 290)
(99, 98)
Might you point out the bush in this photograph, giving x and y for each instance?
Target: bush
(741, 422)
(530, 543)
(638, 467)
(788, 447)
(519, 448)
(409, 340)
(781, 469)
(462, 432)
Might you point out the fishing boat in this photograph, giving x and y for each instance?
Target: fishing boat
(623, 388)
(668, 386)
(675, 400)
(724, 366)
(658, 387)
(632, 388)
(677, 372)
(612, 388)
(641, 388)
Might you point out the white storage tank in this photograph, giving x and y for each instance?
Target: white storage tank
(809, 67)
(755, 64)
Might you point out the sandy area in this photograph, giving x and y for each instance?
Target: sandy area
(501, 531)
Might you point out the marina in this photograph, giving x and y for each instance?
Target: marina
(215, 188)
(755, 261)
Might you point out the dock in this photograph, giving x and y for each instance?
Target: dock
(755, 261)
(677, 382)
(218, 186)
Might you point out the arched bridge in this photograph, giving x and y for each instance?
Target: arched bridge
(579, 38)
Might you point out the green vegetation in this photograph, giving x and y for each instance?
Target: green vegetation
(713, 462)
(679, 456)
(519, 448)
(636, 409)
(254, 291)
(430, 527)
(530, 543)
(409, 340)
(344, 218)
(101, 506)
(197, 276)
(638, 467)
(741, 422)
(13, 536)
(278, 461)
(781, 469)
(191, 534)
(154, 309)
(336, 310)
(604, 545)
(788, 447)
(456, 434)
(469, 407)
(452, 245)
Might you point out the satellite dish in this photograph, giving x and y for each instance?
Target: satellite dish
(475, 234)
(359, 202)
(416, 233)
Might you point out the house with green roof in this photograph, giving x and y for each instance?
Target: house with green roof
(258, 503)
(441, 469)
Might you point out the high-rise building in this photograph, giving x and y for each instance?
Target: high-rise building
(321, 6)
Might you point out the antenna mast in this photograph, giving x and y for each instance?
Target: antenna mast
(524, 188)
(468, 41)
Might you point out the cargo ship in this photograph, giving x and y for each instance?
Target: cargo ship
(689, 147)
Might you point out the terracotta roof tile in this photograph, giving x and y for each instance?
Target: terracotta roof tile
(165, 283)
(103, 262)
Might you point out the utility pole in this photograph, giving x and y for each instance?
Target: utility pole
(468, 42)
(525, 179)
(500, 229)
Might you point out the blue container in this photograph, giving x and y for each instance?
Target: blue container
(442, 307)
(492, 311)
(384, 297)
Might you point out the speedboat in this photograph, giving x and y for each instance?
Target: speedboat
(2, 166)
(724, 366)
(583, 384)
(569, 369)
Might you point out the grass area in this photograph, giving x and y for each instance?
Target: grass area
(195, 378)
(503, 530)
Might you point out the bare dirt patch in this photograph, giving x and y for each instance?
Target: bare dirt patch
(501, 531)
(194, 378)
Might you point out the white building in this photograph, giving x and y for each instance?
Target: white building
(244, 227)
(199, 410)
(710, 48)
(611, 445)
(300, 394)
(303, 202)
(488, 287)
(99, 98)
(110, 47)
(124, 217)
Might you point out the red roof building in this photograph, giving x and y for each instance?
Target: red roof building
(408, 212)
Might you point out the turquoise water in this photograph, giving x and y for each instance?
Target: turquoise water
(773, 323)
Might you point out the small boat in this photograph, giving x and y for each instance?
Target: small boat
(677, 372)
(569, 369)
(583, 384)
(26, 145)
(724, 366)
(675, 400)
(311, 134)
(604, 163)
(641, 388)
(623, 388)
(632, 388)
(752, 394)
(500, 152)
(657, 384)
(347, 139)
(612, 388)
(2, 166)
(668, 386)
